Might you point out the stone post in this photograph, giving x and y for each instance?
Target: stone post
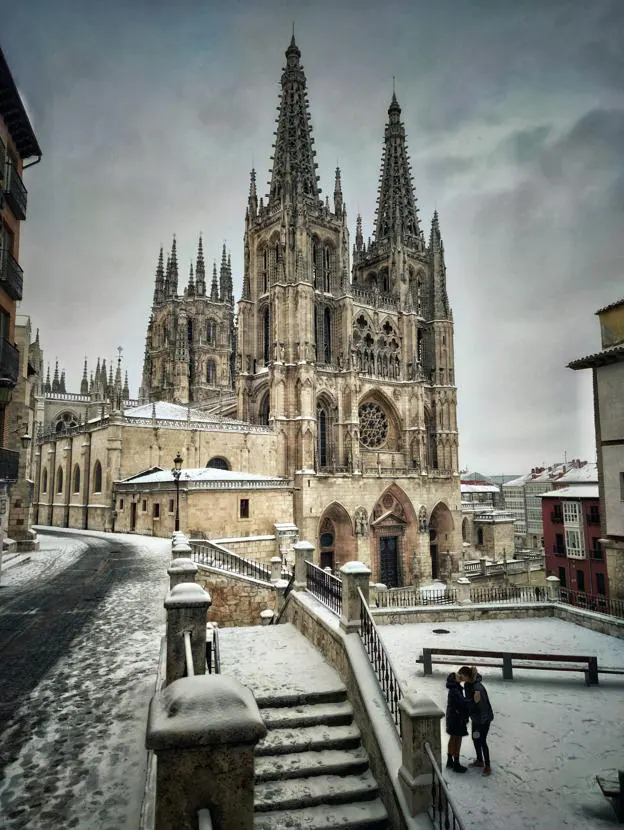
(483, 565)
(382, 595)
(354, 575)
(204, 731)
(420, 722)
(554, 588)
(266, 616)
(181, 548)
(181, 570)
(303, 551)
(280, 591)
(186, 605)
(463, 590)
(276, 568)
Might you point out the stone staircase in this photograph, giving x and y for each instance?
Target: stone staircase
(311, 769)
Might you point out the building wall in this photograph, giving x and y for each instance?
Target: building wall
(236, 601)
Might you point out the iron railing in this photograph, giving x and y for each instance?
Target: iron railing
(213, 653)
(325, 587)
(593, 602)
(9, 464)
(380, 662)
(277, 617)
(443, 811)
(9, 363)
(11, 276)
(188, 655)
(15, 192)
(510, 593)
(212, 555)
(409, 596)
(556, 517)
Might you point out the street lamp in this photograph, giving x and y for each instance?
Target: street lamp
(177, 470)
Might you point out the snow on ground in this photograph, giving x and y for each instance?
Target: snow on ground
(54, 555)
(551, 734)
(84, 763)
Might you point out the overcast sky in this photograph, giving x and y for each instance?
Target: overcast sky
(150, 114)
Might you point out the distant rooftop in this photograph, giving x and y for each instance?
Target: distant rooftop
(579, 491)
(610, 307)
(479, 488)
(612, 354)
(587, 474)
(157, 475)
(163, 410)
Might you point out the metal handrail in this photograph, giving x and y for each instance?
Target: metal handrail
(277, 617)
(324, 586)
(188, 655)
(381, 662)
(217, 651)
(443, 811)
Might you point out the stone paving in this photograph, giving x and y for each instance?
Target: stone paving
(80, 650)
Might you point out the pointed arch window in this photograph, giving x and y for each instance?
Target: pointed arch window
(322, 429)
(76, 483)
(97, 477)
(189, 331)
(327, 263)
(59, 480)
(264, 410)
(266, 335)
(44, 483)
(211, 373)
(211, 332)
(265, 271)
(327, 336)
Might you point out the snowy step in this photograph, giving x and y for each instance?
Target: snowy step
(273, 701)
(363, 815)
(308, 714)
(309, 792)
(307, 764)
(301, 739)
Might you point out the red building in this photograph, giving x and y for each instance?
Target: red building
(571, 519)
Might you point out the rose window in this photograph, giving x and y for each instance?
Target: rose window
(373, 426)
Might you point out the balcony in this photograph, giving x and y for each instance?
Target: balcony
(559, 550)
(15, 193)
(9, 463)
(593, 519)
(556, 518)
(596, 553)
(9, 364)
(11, 276)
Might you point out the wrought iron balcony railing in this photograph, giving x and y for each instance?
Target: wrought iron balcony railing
(593, 518)
(556, 518)
(15, 193)
(11, 276)
(559, 550)
(9, 364)
(9, 464)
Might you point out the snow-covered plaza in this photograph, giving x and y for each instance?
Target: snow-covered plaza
(551, 734)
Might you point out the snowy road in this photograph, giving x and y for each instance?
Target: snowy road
(80, 629)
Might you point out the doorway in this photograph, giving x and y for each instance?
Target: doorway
(133, 514)
(389, 561)
(433, 550)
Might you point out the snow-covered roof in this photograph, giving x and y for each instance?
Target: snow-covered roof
(479, 488)
(612, 354)
(200, 474)
(610, 306)
(578, 491)
(164, 410)
(587, 474)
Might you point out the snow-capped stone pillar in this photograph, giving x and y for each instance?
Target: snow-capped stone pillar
(354, 575)
(420, 724)
(204, 731)
(181, 570)
(554, 588)
(180, 548)
(463, 590)
(276, 568)
(186, 605)
(303, 551)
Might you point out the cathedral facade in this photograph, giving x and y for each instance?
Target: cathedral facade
(342, 357)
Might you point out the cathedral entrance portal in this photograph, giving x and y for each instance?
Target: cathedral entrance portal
(389, 561)
(337, 543)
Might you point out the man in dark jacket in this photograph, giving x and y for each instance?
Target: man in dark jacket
(481, 715)
(456, 720)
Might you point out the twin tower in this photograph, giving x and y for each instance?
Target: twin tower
(350, 363)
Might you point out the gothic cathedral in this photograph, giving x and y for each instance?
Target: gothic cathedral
(352, 367)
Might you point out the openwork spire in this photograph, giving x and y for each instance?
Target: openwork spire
(84, 383)
(397, 214)
(200, 269)
(55, 380)
(294, 165)
(190, 289)
(214, 288)
(126, 388)
(159, 283)
(172, 270)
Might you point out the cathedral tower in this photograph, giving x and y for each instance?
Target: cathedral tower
(189, 341)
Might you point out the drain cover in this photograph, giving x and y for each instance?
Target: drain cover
(441, 631)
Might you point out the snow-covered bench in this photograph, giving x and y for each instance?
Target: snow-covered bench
(613, 790)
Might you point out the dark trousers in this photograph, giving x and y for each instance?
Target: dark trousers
(480, 743)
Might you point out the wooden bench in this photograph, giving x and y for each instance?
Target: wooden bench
(613, 789)
(530, 661)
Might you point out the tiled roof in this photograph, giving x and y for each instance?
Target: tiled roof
(613, 354)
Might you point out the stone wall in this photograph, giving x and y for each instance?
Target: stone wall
(521, 580)
(378, 733)
(260, 548)
(611, 626)
(236, 600)
(401, 616)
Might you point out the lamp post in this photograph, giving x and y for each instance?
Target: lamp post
(177, 469)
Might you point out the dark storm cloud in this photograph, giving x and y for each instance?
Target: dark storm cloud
(151, 114)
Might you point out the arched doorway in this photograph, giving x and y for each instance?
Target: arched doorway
(440, 538)
(336, 539)
(394, 538)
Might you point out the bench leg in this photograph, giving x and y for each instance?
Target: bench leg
(592, 671)
(427, 667)
(507, 669)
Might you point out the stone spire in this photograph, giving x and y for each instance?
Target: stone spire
(190, 289)
(359, 238)
(252, 203)
(441, 307)
(159, 283)
(200, 270)
(396, 215)
(223, 277)
(55, 380)
(294, 164)
(110, 378)
(214, 288)
(338, 201)
(230, 283)
(84, 383)
(91, 383)
(172, 271)
(126, 388)
(47, 386)
(62, 388)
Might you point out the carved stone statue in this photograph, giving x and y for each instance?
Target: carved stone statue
(422, 520)
(361, 522)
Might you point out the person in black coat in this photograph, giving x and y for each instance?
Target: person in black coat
(456, 720)
(481, 715)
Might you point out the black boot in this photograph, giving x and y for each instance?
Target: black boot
(457, 767)
(449, 761)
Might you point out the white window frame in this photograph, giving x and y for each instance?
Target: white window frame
(571, 513)
(574, 551)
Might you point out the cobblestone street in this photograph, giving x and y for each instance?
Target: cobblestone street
(80, 641)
